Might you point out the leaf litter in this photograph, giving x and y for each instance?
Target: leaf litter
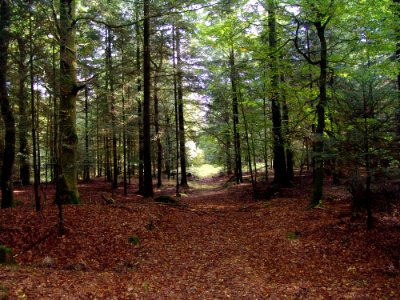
(217, 243)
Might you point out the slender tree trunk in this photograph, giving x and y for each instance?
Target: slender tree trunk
(280, 175)
(140, 111)
(252, 175)
(289, 152)
(265, 129)
(23, 128)
(179, 80)
(317, 189)
(168, 152)
(67, 187)
(7, 188)
(158, 137)
(235, 111)
(397, 14)
(86, 169)
(124, 138)
(228, 145)
(148, 180)
(176, 113)
(54, 149)
(113, 112)
(367, 159)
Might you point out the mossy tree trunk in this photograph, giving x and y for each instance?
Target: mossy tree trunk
(67, 188)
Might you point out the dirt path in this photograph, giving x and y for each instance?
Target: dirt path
(218, 244)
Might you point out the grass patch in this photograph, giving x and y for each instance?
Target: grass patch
(292, 235)
(206, 170)
(134, 240)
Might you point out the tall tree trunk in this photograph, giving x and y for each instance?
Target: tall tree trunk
(289, 152)
(265, 129)
(168, 152)
(86, 169)
(280, 175)
(179, 81)
(148, 180)
(110, 86)
(397, 14)
(235, 111)
(23, 128)
(158, 134)
(124, 138)
(139, 110)
(54, 147)
(317, 189)
(67, 187)
(7, 188)
(176, 112)
(228, 145)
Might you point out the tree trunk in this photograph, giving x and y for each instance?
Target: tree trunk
(179, 79)
(289, 153)
(7, 188)
(280, 175)
(86, 169)
(228, 145)
(23, 128)
(397, 116)
(235, 111)
(148, 180)
(67, 187)
(158, 137)
(317, 189)
(176, 113)
(110, 88)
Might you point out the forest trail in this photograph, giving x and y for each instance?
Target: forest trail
(216, 244)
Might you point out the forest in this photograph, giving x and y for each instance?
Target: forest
(244, 149)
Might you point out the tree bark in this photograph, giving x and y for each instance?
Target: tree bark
(179, 81)
(235, 111)
(317, 189)
(158, 137)
(23, 128)
(67, 187)
(280, 175)
(86, 169)
(7, 188)
(148, 180)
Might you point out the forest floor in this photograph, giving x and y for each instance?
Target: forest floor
(216, 243)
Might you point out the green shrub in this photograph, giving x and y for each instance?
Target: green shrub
(134, 240)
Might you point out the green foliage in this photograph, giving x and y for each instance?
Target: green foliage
(292, 235)
(206, 170)
(6, 256)
(134, 240)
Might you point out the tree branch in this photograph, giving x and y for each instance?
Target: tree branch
(296, 44)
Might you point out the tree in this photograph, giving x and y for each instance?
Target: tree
(280, 175)
(7, 188)
(23, 128)
(180, 116)
(67, 188)
(322, 16)
(148, 181)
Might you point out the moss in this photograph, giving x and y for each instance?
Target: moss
(6, 256)
(134, 240)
